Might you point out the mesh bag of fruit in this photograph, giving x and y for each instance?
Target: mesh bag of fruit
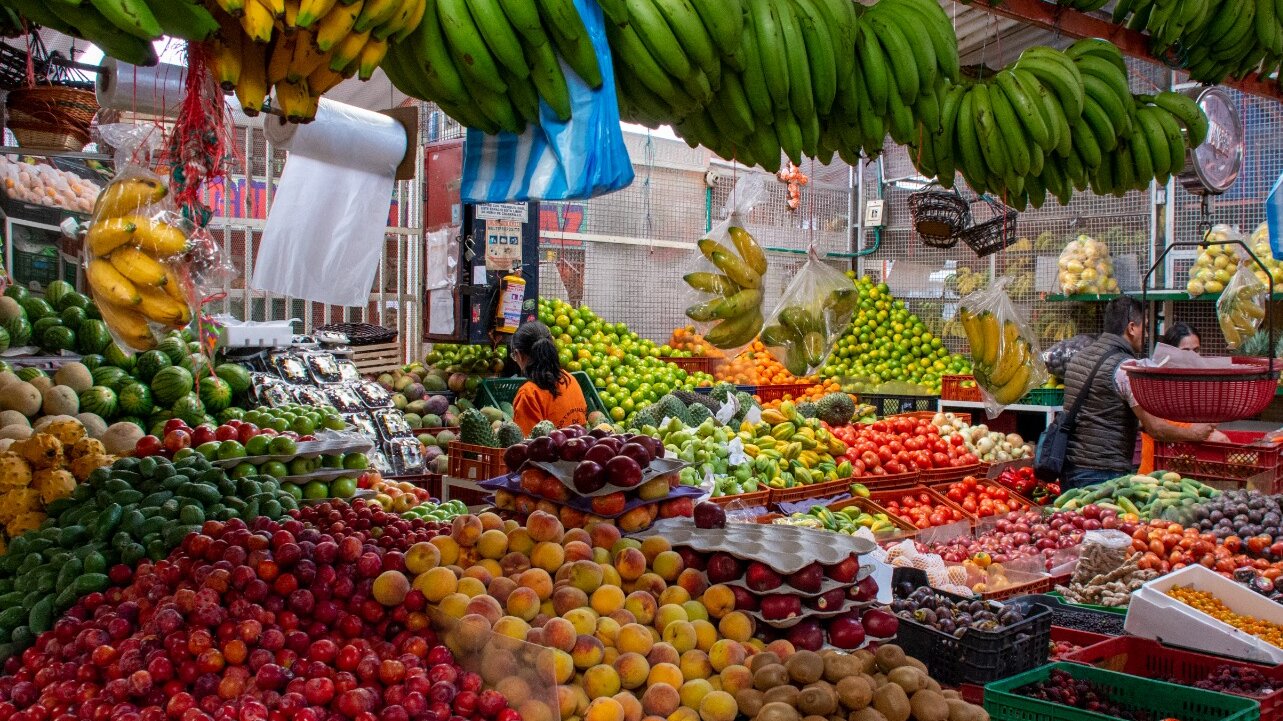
(1241, 308)
(135, 246)
(814, 310)
(1005, 357)
(725, 284)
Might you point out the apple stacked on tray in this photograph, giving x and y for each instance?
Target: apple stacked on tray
(585, 477)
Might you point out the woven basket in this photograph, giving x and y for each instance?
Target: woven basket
(990, 236)
(51, 116)
(939, 217)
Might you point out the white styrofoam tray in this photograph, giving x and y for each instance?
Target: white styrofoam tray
(1153, 614)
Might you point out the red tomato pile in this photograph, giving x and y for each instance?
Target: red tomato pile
(901, 445)
(983, 499)
(921, 509)
(1170, 547)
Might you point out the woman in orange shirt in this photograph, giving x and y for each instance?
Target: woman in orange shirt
(551, 394)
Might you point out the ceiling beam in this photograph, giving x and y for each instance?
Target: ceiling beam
(1074, 24)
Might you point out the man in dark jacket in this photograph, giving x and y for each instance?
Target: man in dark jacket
(1103, 442)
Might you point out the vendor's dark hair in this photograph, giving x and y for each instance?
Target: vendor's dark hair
(1121, 311)
(1176, 332)
(534, 341)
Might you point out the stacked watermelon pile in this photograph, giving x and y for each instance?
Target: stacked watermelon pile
(62, 320)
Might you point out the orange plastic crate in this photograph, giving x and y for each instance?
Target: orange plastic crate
(694, 364)
(475, 463)
(766, 394)
(952, 388)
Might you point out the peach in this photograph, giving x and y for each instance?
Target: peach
(501, 588)
(577, 551)
(544, 527)
(519, 541)
(601, 680)
(610, 655)
(536, 710)
(694, 691)
(695, 611)
(684, 713)
(632, 705)
(566, 701)
(479, 572)
(587, 652)
(486, 607)
(523, 603)
(632, 669)
(493, 544)
(726, 653)
(472, 633)
(623, 616)
(674, 595)
(660, 699)
(735, 679)
(567, 599)
(491, 566)
(782, 648)
(490, 521)
(737, 626)
(668, 614)
(584, 575)
(642, 605)
(497, 663)
(681, 635)
(576, 534)
(695, 582)
(514, 564)
(633, 638)
(422, 556)
(607, 631)
(547, 555)
(718, 600)
(718, 706)
(447, 549)
(560, 633)
(705, 634)
(563, 665)
(453, 605)
(466, 530)
(653, 546)
(390, 588)
(650, 583)
(610, 575)
(603, 535)
(668, 565)
(601, 555)
(537, 580)
(665, 673)
(631, 563)
(695, 664)
(604, 709)
(607, 599)
(471, 586)
(584, 620)
(509, 525)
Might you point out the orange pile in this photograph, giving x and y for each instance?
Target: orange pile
(755, 366)
(688, 340)
(812, 393)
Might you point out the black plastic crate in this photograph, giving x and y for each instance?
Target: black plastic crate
(892, 405)
(979, 656)
(1073, 616)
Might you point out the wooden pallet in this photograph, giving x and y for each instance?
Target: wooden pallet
(375, 359)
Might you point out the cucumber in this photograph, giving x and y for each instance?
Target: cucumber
(191, 515)
(90, 582)
(154, 500)
(11, 599)
(115, 485)
(73, 536)
(108, 519)
(11, 617)
(41, 618)
(126, 498)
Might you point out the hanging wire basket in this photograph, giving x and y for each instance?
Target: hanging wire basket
(51, 116)
(994, 233)
(939, 216)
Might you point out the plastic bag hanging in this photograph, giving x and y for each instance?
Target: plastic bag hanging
(815, 309)
(1241, 308)
(134, 247)
(726, 284)
(1005, 356)
(1086, 268)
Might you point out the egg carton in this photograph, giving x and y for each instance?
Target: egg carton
(564, 471)
(828, 585)
(785, 549)
(808, 614)
(512, 484)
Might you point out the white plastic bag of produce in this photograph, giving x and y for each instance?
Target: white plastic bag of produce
(726, 285)
(1005, 357)
(135, 247)
(815, 309)
(1241, 308)
(1086, 268)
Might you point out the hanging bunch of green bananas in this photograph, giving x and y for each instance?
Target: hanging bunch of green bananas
(1054, 123)
(735, 289)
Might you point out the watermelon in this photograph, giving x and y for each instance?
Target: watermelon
(94, 336)
(215, 394)
(58, 338)
(92, 310)
(174, 348)
(148, 364)
(72, 317)
(39, 327)
(193, 346)
(30, 372)
(37, 308)
(4, 340)
(76, 300)
(109, 376)
(235, 375)
(17, 292)
(117, 357)
(55, 291)
(99, 400)
(19, 331)
(170, 384)
(135, 399)
(190, 409)
(5, 367)
(93, 361)
(197, 365)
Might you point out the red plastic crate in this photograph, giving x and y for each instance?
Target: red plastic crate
(814, 490)
(868, 505)
(694, 364)
(936, 476)
(930, 415)
(1039, 585)
(1081, 639)
(880, 497)
(1150, 659)
(942, 486)
(889, 481)
(748, 500)
(778, 392)
(1235, 464)
(476, 463)
(952, 388)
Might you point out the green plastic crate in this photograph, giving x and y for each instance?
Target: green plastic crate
(1090, 606)
(41, 267)
(1044, 397)
(1161, 700)
(494, 391)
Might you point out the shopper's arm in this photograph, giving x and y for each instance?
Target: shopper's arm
(1164, 430)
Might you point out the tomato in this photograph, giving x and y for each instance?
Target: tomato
(885, 454)
(939, 460)
(871, 459)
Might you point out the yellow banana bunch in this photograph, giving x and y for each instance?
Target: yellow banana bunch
(1005, 363)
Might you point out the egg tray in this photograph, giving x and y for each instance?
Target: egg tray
(564, 471)
(345, 443)
(785, 549)
(512, 484)
(808, 614)
(828, 585)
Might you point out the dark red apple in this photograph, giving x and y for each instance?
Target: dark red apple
(844, 571)
(542, 449)
(809, 579)
(558, 437)
(828, 601)
(514, 456)
(589, 478)
(759, 577)
(624, 472)
(846, 632)
(637, 452)
(806, 636)
(709, 515)
(866, 590)
(723, 567)
(573, 450)
(744, 599)
(778, 607)
(879, 623)
(692, 558)
(599, 453)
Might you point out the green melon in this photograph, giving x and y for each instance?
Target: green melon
(116, 356)
(109, 376)
(18, 292)
(99, 400)
(235, 375)
(174, 348)
(190, 409)
(76, 300)
(4, 340)
(55, 291)
(73, 317)
(215, 393)
(135, 399)
(58, 338)
(94, 337)
(30, 372)
(170, 384)
(19, 331)
(38, 327)
(93, 361)
(148, 364)
(37, 308)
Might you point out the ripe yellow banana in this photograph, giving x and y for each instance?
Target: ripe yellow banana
(306, 58)
(312, 10)
(294, 101)
(322, 79)
(140, 268)
(375, 13)
(371, 55)
(348, 50)
(989, 333)
(109, 234)
(399, 19)
(232, 7)
(337, 24)
(258, 22)
(251, 88)
(158, 237)
(127, 324)
(1014, 388)
(278, 61)
(227, 57)
(292, 8)
(109, 286)
(175, 286)
(159, 306)
(125, 196)
(749, 250)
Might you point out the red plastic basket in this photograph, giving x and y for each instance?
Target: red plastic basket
(1194, 395)
(814, 490)
(1081, 639)
(1150, 659)
(1236, 464)
(1039, 585)
(781, 391)
(1024, 504)
(954, 388)
(694, 364)
(929, 416)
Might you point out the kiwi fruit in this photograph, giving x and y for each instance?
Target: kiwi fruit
(891, 701)
(868, 713)
(934, 685)
(908, 678)
(805, 667)
(766, 658)
(838, 666)
(778, 712)
(951, 693)
(817, 700)
(813, 717)
(889, 656)
(768, 677)
(825, 653)
(749, 701)
(855, 692)
(911, 661)
(867, 660)
(929, 706)
(837, 717)
(782, 694)
(960, 710)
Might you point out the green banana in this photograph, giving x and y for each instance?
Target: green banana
(131, 16)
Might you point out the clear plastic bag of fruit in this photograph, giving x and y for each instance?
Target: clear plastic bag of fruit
(1215, 264)
(725, 284)
(814, 311)
(135, 246)
(1241, 307)
(1086, 268)
(1005, 356)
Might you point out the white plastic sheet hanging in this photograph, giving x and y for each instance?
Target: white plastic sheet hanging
(325, 232)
